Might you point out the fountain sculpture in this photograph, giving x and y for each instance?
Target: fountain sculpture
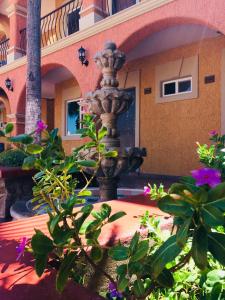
(107, 103)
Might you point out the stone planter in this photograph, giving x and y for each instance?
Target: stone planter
(15, 185)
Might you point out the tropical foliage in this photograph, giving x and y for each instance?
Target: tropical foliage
(148, 266)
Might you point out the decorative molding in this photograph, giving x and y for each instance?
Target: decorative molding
(107, 23)
(17, 9)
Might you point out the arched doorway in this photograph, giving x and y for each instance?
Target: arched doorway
(176, 72)
(61, 95)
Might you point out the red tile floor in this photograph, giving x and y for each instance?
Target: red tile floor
(18, 280)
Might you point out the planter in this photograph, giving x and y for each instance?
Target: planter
(15, 185)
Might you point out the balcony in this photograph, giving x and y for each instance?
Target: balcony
(115, 6)
(64, 20)
(4, 46)
(57, 25)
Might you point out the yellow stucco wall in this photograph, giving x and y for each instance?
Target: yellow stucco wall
(67, 90)
(170, 130)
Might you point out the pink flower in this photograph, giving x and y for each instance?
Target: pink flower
(213, 133)
(21, 248)
(147, 190)
(212, 177)
(41, 126)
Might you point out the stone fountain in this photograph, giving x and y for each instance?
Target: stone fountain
(107, 103)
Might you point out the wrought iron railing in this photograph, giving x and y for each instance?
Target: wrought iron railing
(4, 46)
(56, 25)
(115, 6)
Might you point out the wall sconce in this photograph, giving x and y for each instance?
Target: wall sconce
(82, 56)
(8, 84)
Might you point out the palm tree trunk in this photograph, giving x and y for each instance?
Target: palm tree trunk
(33, 80)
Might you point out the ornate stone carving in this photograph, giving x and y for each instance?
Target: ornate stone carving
(107, 103)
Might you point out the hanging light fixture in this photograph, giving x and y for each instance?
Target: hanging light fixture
(82, 56)
(8, 84)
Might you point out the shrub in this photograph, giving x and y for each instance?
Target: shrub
(12, 158)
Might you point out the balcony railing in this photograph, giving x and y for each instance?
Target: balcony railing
(115, 6)
(4, 46)
(56, 25)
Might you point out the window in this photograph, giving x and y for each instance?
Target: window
(73, 21)
(177, 86)
(73, 117)
(118, 5)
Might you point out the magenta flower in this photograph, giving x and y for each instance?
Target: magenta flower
(41, 126)
(21, 248)
(212, 177)
(147, 190)
(113, 291)
(213, 133)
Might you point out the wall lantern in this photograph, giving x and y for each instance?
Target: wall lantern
(82, 56)
(8, 84)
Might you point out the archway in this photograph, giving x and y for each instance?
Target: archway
(61, 95)
(158, 57)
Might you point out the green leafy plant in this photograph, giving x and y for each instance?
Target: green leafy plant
(146, 266)
(12, 158)
(213, 155)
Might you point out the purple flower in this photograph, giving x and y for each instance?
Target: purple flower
(113, 291)
(41, 126)
(147, 190)
(21, 248)
(212, 177)
(213, 133)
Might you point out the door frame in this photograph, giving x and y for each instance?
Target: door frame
(128, 80)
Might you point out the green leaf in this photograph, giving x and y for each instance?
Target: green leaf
(87, 163)
(64, 271)
(34, 149)
(200, 247)
(40, 263)
(119, 252)
(219, 203)
(165, 279)
(86, 210)
(175, 207)
(22, 139)
(122, 283)
(9, 128)
(176, 188)
(93, 235)
(121, 270)
(217, 246)
(93, 225)
(41, 244)
(135, 268)
(217, 291)
(212, 216)
(166, 253)
(217, 192)
(53, 222)
(142, 250)
(102, 132)
(182, 233)
(28, 163)
(96, 254)
(105, 211)
(84, 193)
(134, 242)
(116, 216)
(111, 154)
(138, 287)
